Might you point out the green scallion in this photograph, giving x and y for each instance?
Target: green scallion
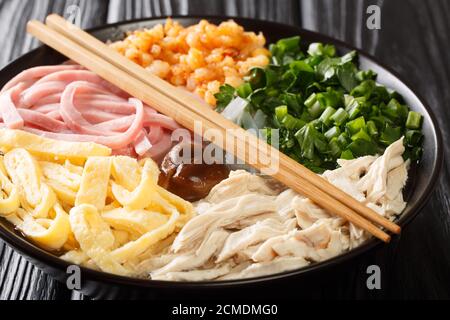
(414, 120)
(333, 132)
(325, 118)
(340, 116)
(356, 125)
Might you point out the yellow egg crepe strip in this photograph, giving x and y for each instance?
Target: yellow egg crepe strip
(118, 213)
(51, 150)
(95, 238)
(121, 237)
(140, 197)
(73, 168)
(126, 172)
(94, 182)
(51, 234)
(71, 243)
(48, 200)
(139, 246)
(135, 221)
(75, 256)
(63, 193)
(10, 202)
(25, 174)
(61, 174)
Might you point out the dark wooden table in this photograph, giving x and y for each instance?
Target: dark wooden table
(414, 39)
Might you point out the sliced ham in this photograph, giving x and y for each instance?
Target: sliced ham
(37, 73)
(42, 120)
(70, 103)
(142, 144)
(10, 115)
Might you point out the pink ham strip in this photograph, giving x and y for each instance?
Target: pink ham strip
(155, 134)
(82, 75)
(158, 119)
(38, 91)
(142, 144)
(42, 121)
(36, 73)
(97, 116)
(70, 103)
(161, 148)
(105, 96)
(151, 119)
(46, 108)
(51, 99)
(117, 107)
(55, 115)
(72, 116)
(117, 141)
(8, 110)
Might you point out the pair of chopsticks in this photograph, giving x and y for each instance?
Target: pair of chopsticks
(96, 56)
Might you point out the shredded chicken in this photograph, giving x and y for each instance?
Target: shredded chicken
(246, 229)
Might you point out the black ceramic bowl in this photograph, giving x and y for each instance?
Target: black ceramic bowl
(102, 285)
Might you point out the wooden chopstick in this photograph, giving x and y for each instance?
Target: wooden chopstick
(76, 34)
(186, 117)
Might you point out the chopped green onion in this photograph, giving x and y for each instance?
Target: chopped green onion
(293, 102)
(256, 78)
(414, 120)
(332, 133)
(289, 44)
(362, 134)
(416, 153)
(323, 106)
(272, 92)
(390, 135)
(361, 147)
(343, 140)
(347, 155)
(372, 128)
(235, 109)
(291, 123)
(366, 75)
(281, 112)
(308, 144)
(381, 121)
(413, 137)
(300, 134)
(350, 102)
(244, 90)
(354, 112)
(364, 89)
(340, 116)
(321, 143)
(325, 118)
(352, 106)
(330, 99)
(312, 99)
(315, 110)
(299, 66)
(318, 49)
(356, 125)
(395, 111)
(335, 148)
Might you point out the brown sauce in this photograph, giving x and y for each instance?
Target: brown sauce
(190, 181)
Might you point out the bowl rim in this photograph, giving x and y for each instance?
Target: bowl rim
(32, 251)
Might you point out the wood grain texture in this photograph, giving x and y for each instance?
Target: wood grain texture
(413, 39)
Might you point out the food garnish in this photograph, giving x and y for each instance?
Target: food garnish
(70, 103)
(104, 212)
(201, 57)
(324, 106)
